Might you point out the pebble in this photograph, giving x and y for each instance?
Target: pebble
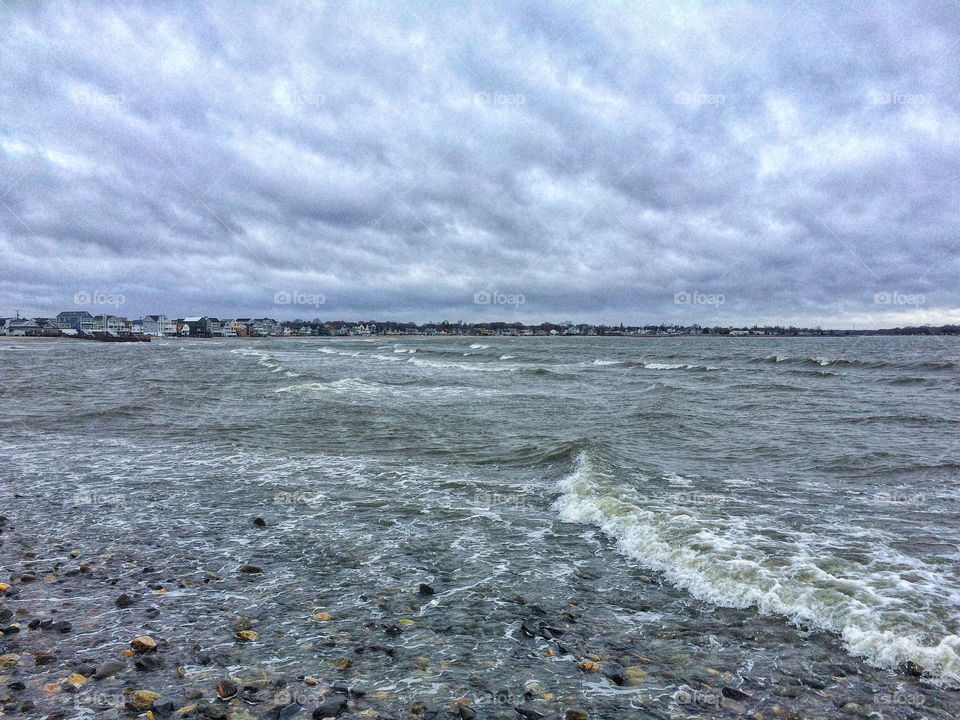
(426, 589)
(342, 663)
(226, 689)
(251, 569)
(735, 694)
(247, 635)
(242, 623)
(284, 712)
(143, 643)
(322, 616)
(124, 601)
(76, 680)
(148, 663)
(576, 715)
(44, 658)
(143, 699)
(108, 669)
(331, 707)
(259, 522)
(588, 666)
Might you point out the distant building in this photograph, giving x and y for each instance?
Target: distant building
(78, 320)
(110, 324)
(158, 325)
(21, 327)
(199, 326)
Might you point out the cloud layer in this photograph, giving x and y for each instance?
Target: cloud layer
(801, 162)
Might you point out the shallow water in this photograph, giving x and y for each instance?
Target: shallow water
(771, 514)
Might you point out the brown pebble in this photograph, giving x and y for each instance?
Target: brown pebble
(143, 643)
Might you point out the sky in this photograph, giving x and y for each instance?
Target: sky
(639, 162)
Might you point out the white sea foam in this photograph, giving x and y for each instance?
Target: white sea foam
(880, 616)
(478, 346)
(607, 362)
(665, 366)
(344, 385)
(507, 357)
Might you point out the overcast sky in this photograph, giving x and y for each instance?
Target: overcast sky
(603, 161)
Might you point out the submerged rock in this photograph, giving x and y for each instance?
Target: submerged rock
(143, 643)
(331, 707)
(226, 689)
(143, 699)
(426, 589)
(251, 568)
(124, 601)
(44, 658)
(108, 669)
(735, 694)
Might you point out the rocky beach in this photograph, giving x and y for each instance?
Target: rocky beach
(284, 551)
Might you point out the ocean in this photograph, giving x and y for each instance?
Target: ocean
(627, 527)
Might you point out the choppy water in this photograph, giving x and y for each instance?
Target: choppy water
(758, 505)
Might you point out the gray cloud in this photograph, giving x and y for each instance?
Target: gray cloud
(397, 158)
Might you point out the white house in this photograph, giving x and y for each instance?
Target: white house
(109, 323)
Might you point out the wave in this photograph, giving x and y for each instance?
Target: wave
(351, 384)
(607, 362)
(856, 602)
(821, 361)
(675, 366)
(478, 346)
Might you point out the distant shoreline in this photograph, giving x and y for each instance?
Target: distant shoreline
(711, 336)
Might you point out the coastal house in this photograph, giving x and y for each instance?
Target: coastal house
(240, 326)
(109, 323)
(48, 327)
(261, 327)
(4, 324)
(78, 320)
(226, 329)
(199, 326)
(158, 325)
(21, 327)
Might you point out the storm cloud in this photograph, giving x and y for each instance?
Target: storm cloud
(608, 161)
